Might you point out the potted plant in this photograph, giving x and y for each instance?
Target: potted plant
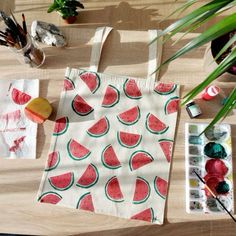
(222, 38)
(67, 9)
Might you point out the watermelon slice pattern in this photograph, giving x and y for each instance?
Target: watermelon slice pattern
(53, 161)
(130, 117)
(145, 189)
(111, 97)
(89, 177)
(85, 202)
(142, 191)
(68, 84)
(91, 79)
(109, 158)
(19, 97)
(61, 126)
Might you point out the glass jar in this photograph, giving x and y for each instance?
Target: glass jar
(31, 54)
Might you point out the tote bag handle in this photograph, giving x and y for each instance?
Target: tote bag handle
(154, 58)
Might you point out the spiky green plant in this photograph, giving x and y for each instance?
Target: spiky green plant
(65, 8)
(192, 21)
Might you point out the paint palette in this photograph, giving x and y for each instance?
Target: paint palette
(210, 155)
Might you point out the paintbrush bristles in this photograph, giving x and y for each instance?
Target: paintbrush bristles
(15, 35)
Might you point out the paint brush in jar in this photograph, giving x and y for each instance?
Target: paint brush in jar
(213, 194)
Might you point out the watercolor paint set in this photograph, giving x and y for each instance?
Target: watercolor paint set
(210, 156)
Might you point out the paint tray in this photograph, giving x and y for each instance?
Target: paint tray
(210, 155)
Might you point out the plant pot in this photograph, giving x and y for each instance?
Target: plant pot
(212, 50)
(70, 19)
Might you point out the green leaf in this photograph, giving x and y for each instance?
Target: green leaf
(227, 63)
(224, 111)
(220, 28)
(53, 7)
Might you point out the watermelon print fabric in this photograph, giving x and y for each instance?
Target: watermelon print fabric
(111, 146)
(17, 133)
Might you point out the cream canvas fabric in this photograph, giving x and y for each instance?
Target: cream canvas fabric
(112, 143)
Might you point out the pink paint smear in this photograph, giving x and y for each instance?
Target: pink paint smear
(17, 143)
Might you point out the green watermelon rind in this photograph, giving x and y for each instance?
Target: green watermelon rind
(81, 198)
(136, 98)
(100, 135)
(149, 191)
(117, 99)
(134, 153)
(166, 93)
(131, 123)
(167, 103)
(49, 192)
(97, 78)
(79, 113)
(67, 187)
(71, 81)
(111, 199)
(57, 163)
(103, 162)
(124, 145)
(64, 130)
(94, 182)
(163, 197)
(73, 157)
(149, 129)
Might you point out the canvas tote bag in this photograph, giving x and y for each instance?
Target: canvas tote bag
(112, 143)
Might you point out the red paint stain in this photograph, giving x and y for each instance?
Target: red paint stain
(17, 143)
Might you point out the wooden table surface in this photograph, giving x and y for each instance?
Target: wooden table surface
(19, 179)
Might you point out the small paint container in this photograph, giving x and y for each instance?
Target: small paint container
(193, 109)
(210, 92)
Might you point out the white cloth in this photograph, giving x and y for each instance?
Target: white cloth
(17, 133)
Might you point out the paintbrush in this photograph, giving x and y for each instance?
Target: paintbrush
(24, 23)
(217, 199)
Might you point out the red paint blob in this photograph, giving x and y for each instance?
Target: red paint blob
(212, 180)
(216, 167)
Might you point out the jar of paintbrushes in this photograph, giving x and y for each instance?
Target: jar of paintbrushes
(20, 42)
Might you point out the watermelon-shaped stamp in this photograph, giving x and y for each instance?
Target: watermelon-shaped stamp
(172, 105)
(68, 84)
(80, 106)
(53, 161)
(129, 140)
(165, 88)
(131, 89)
(77, 151)
(50, 197)
(166, 146)
(113, 191)
(61, 126)
(100, 128)
(155, 125)
(130, 116)
(91, 79)
(111, 97)
(89, 177)
(160, 186)
(85, 202)
(62, 182)
(145, 215)
(138, 159)
(142, 191)
(19, 97)
(109, 158)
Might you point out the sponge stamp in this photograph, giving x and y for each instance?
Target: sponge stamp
(38, 110)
